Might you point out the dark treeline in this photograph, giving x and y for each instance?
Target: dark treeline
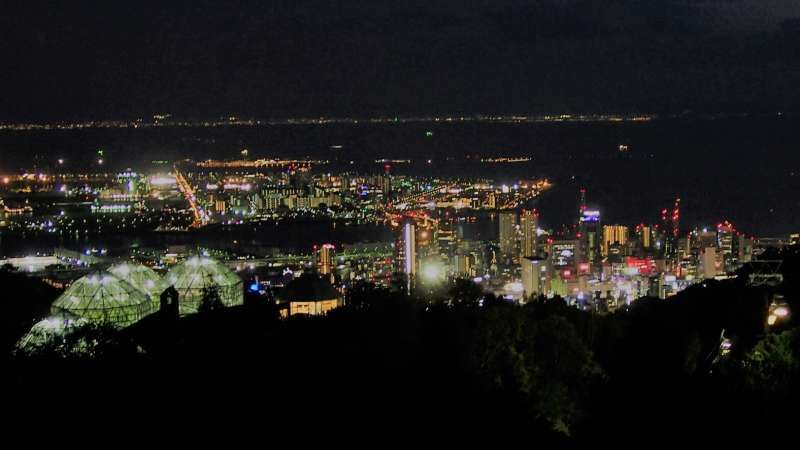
(390, 369)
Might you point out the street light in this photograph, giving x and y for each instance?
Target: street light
(779, 312)
(432, 271)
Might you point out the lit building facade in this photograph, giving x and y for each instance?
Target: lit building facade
(710, 263)
(589, 236)
(508, 233)
(528, 222)
(534, 276)
(406, 248)
(309, 295)
(613, 234)
(325, 259)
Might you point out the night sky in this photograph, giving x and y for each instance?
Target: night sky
(77, 60)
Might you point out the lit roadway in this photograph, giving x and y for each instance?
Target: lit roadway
(200, 217)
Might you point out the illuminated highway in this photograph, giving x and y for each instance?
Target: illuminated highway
(200, 216)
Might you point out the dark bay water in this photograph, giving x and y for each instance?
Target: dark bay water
(746, 170)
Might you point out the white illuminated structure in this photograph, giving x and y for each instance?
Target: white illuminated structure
(102, 298)
(194, 278)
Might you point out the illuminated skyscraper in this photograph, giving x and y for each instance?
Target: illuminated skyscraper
(508, 233)
(671, 223)
(325, 259)
(589, 236)
(534, 276)
(709, 262)
(464, 264)
(645, 235)
(728, 242)
(564, 256)
(613, 234)
(407, 252)
(529, 222)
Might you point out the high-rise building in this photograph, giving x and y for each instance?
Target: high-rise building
(406, 248)
(685, 247)
(491, 200)
(589, 236)
(705, 238)
(528, 222)
(220, 206)
(709, 262)
(745, 249)
(728, 244)
(464, 264)
(671, 223)
(386, 186)
(325, 259)
(534, 276)
(564, 257)
(508, 233)
(645, 235)
(613, 234)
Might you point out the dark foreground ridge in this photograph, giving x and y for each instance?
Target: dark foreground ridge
(390, 371)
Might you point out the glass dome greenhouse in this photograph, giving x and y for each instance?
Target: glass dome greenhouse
(103, 298)
(44, 331)
(142, 278)
(193, 277)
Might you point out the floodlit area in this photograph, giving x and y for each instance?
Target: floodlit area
(128, 292)
(101, 297)
(195, 276)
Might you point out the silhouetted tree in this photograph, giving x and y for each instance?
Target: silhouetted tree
(465, 293)
(211, 300)
(23, 302)
(772, 368)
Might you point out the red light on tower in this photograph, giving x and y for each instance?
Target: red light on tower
(583, 200)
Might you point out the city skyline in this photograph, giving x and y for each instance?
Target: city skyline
(412, 224)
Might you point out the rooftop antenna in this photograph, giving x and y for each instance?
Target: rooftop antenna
(583, 200)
